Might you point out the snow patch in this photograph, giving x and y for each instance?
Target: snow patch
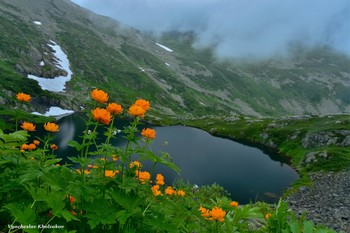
(42, 63)
(37, 22)
(56, 84)
(164, 47)
(142, 69)
(167, 64)
(55, 111)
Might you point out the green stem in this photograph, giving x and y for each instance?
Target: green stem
(110, 133)
(88, 145)
(47, 223)
(12, 225)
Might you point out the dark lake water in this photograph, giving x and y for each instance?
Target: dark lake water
(248, 173)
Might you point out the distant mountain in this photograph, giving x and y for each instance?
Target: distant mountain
(180, 81)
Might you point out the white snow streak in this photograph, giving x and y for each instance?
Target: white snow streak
(56, 84)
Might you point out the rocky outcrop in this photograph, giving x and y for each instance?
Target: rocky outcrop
(326, 202)
(328, 138)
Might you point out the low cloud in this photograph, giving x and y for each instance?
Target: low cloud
(238, 28)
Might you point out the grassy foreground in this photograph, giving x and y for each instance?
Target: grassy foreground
(109, 192)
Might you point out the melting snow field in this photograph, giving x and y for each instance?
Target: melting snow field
(56, 84)
(55, 111)
(164, 47)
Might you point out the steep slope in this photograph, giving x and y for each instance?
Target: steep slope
(179, 80)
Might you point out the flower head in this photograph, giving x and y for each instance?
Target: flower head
(51, 127)
(204, 212)
(160, 179)
(144, 177)
(234, 204)
(110, 173)
(23, 97)
(155, 190)
(24, 147)
(101, 115)
(217, 214)
(71, 199)
(36, 142)
(28, 126)
(148, 133)
(267, 216)
(99, 96)
(143, 104)
(54, 147)
(137, 111)
(135, 164)
(180, 193)
(170, 191)
(114, 108)
(31, 146)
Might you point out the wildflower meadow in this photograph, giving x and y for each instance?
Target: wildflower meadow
(108, 190)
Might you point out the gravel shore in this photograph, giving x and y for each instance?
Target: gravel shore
(327, 201)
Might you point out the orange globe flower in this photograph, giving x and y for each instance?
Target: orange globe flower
(51, 127)
(267, 216)
(101, 115)
(204, 212)
(23, 97)
(181, 193)
(24, 147)
(144, 177)
(137, 111)
(148, 133)
(217, 214)
(36, 142)
(170, 191)
(114, 108)
(143, 104)
(54, 147)
(31, 146)
(155, 190)
(110, 173)
(28, 126)
(71, 199)
(160, 179)
(99, 96)
(135, 164)
(234, 204)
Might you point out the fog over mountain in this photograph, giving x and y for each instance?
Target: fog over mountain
(238, 27)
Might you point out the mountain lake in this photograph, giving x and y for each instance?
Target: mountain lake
(248, 173)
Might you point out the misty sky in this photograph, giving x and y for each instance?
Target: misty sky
(238, 28)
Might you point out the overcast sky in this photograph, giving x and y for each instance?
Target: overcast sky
(238, 27)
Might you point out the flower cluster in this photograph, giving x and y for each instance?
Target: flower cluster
(139, 108)
(104, 115)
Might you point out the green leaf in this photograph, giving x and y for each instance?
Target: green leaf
(308, 227)
(52, 161)
(17, 136)
(101, 211)
(76, 145)
(294, 227)
(25, 216)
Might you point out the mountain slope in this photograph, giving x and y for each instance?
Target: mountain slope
(185, 82)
